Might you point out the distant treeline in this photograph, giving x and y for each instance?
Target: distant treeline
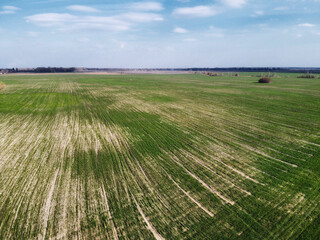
(279, 70)
(242, 69)
(39, 70)
(53, 70)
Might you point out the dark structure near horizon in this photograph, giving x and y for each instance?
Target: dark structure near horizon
(265, 80)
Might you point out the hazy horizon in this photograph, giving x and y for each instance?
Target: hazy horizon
(159, 34)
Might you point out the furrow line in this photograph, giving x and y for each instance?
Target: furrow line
(190, 197)
(48, 205)
(211, 189)
(104, 196)
(149, 224)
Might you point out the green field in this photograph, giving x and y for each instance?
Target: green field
(159, 157)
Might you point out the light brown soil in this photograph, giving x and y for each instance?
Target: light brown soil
(2, 85)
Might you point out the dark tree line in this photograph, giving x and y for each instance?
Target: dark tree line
(40, 70)
(53, 70)
(240, 69)
(255, 69)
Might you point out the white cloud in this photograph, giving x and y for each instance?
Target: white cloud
(122, 45)
(146, 6)
(67, 22)
(83, 40)
(102, 23)
(81, 8)
(234, 3)
(51, 19)
(215, 35)
(169, 48)
(308, 25)
(32, 34)
(190, 40)
(9, 10)
(142, 17)
(214, 32)
(99, 46)
(180, 30)
(283, 8)
(258, 13)
(198, 11)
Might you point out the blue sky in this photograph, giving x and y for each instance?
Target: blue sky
(176, 33)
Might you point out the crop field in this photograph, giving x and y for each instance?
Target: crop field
(159, 157)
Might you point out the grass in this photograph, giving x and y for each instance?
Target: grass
(159, 156)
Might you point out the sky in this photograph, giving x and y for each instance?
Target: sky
(159, 34)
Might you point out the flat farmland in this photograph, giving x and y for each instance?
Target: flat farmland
(159, 157)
